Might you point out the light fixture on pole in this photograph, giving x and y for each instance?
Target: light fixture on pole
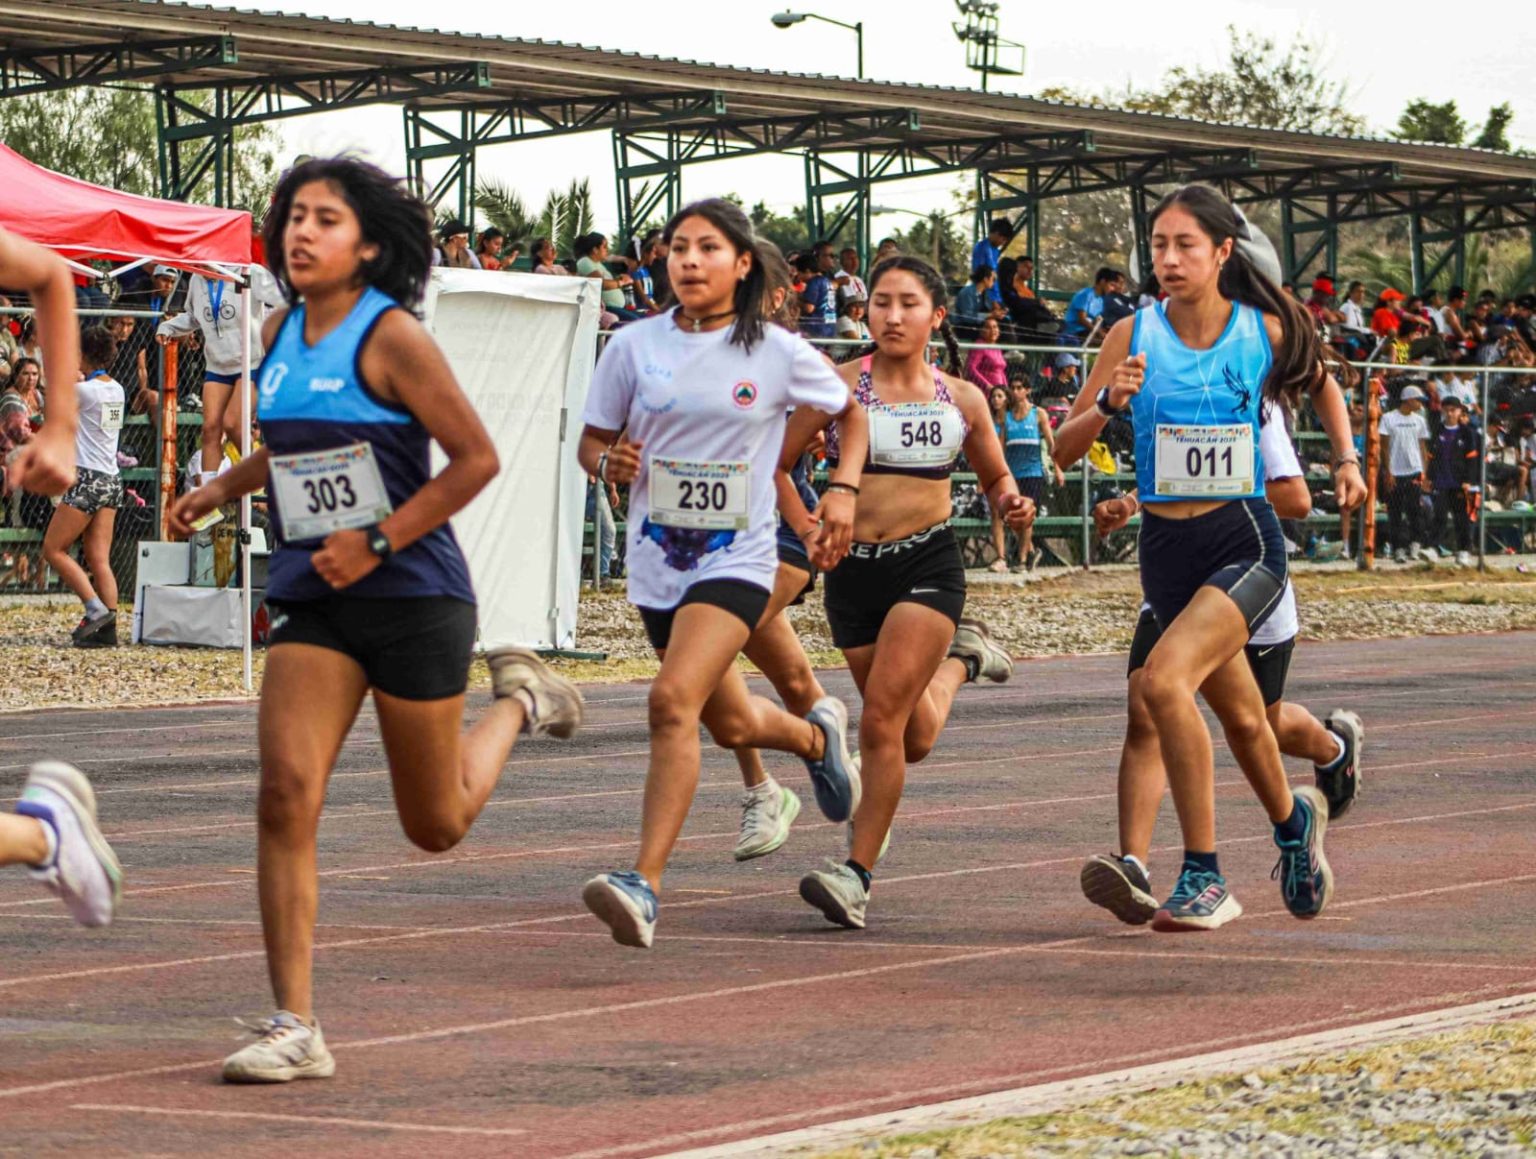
(788, 19)
(984, 48)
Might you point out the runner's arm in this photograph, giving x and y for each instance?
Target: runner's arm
(1078, 431)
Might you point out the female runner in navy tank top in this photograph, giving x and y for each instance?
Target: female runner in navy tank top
(895, 603)
(368, 587)
(1195, 370)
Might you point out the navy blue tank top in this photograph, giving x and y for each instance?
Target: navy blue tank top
(314, 398)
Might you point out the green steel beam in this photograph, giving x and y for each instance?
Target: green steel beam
(184, 118)
(24, 71)
(827, 223)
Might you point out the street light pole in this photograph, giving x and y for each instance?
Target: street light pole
(788, 19)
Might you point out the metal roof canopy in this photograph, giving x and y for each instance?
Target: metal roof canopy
(462, 92)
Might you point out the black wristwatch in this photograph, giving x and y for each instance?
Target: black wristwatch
(1102, 405)
(378, 542)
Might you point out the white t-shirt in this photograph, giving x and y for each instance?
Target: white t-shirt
(695, 402)
(1280, 462)
(101, 418)
(1403, 432)
(1354, 317)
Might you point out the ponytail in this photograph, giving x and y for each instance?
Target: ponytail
(955, 365)
(752, 291)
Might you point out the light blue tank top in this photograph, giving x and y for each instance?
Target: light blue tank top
(1021, 445)
(1192, 404)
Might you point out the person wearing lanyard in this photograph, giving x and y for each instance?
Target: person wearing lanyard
(88, 510)
(1196, 368)
(368, 588)
(53, 831)
(688, 409)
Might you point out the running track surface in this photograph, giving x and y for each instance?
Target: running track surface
(472, 1003)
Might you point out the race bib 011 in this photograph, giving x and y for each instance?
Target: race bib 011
(319, 492)
(1207, 462)
(915, 434)
(700, 495)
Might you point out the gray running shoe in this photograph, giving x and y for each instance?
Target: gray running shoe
(287, 1048)
(551, 703)
(767, 812)
(835, 777)
(838, 893)
(1340, 781)
(974, 642)
(1120, 885)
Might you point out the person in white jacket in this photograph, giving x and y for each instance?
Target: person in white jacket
(213, 308)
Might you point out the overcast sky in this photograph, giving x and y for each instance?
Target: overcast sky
(1384, 56)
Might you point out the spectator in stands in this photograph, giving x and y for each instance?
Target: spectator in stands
(1117, 305)
(1352, 310)
(545, 260)
(973, 302)
(637, 257)
(27, 346)
(985, 365)
(591, 259)
(987, 252)
(1455, 475)
(818, 301)
(1525, 318)
(602, 502)
(1065, 383)
(1028, 313)
(1527, 477)
(131, 366)
(488, 249)
(88, 510)
(846, 279)
(453, 248)
(886, 249)
(27, 384)
(1407, 436)
(1507, 481)
(1150, 294)
(1320, 302)
(1384, 317)
(850, 320)
(1088, 303)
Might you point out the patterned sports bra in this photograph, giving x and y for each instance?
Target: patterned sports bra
(918, 439)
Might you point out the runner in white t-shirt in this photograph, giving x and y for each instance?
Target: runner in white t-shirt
(687, 408)
(1120, 883)
(88, 510)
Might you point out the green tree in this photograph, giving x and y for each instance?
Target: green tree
(505, 209)
(1435, 124)
(566, 216)
(1495, 130)
(107, 136)
(788, 232)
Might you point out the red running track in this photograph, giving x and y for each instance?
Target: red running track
(473, 1003)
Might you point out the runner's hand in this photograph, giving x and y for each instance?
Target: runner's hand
(344, 558)
(1125, 382)
(190, 508)
(834, 532)
(45, 466)
(1349, 487)
(1018, 511)
(623, 461)
(1112, 515)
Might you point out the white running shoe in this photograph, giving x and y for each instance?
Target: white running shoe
(551, 703)
(974, 642)
(1463, 559)
(767, 812)
(83, 871)
(625, 902)
(287, 1048)
(838, 893)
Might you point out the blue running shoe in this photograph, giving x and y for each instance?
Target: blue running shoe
(1306, 881)
(1200, 901)
(626, 904)
(835, 777)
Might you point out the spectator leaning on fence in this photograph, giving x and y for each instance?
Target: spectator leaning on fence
(1407, 436)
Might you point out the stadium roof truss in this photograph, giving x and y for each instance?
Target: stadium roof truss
(216, 69)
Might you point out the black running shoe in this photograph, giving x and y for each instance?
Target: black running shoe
(98, 633)
(1340, 782)
(1120, 886)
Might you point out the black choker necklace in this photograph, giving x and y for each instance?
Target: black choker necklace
(699, 323)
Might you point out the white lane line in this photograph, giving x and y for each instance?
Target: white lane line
(307, 1120)
(1217, 1056)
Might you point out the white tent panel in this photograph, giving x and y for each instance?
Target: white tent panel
(522, 347)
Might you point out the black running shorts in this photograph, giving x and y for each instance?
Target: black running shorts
(924, 569)
(1237, 548)
(1271, 663)
(414, 648)
(747, 602)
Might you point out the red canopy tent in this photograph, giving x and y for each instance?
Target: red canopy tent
(81, 221)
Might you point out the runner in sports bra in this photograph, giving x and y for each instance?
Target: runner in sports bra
(1195, 369)
(895, 603)
(368, 588)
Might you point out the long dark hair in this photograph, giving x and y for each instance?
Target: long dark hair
(937, 293)
(389, 215)
(97, 348)
(751, 291)
(1301, 362)
(779, 277)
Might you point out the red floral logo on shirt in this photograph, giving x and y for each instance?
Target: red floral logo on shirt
(744, 394)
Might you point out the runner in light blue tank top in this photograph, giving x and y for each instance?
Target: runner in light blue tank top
(369, 592)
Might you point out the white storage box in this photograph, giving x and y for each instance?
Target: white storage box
(207, 617)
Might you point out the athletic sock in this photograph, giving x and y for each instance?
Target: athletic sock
(972, 668)
(864, 875)
(51, 835)
(1201, 861)
(1294, 827)
(768, 788)
(94, 608)
(1343, 748)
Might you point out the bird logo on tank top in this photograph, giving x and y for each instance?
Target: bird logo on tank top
(1241, 391)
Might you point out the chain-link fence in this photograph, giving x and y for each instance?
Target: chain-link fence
(140, 367)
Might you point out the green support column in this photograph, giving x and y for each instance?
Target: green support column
(426, 139)
(211, 139)
(826, 181)
(1010, 194)
(1139, 210)
(650, 178)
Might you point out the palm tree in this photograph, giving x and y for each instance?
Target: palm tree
(566, 216)
(505, 209)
